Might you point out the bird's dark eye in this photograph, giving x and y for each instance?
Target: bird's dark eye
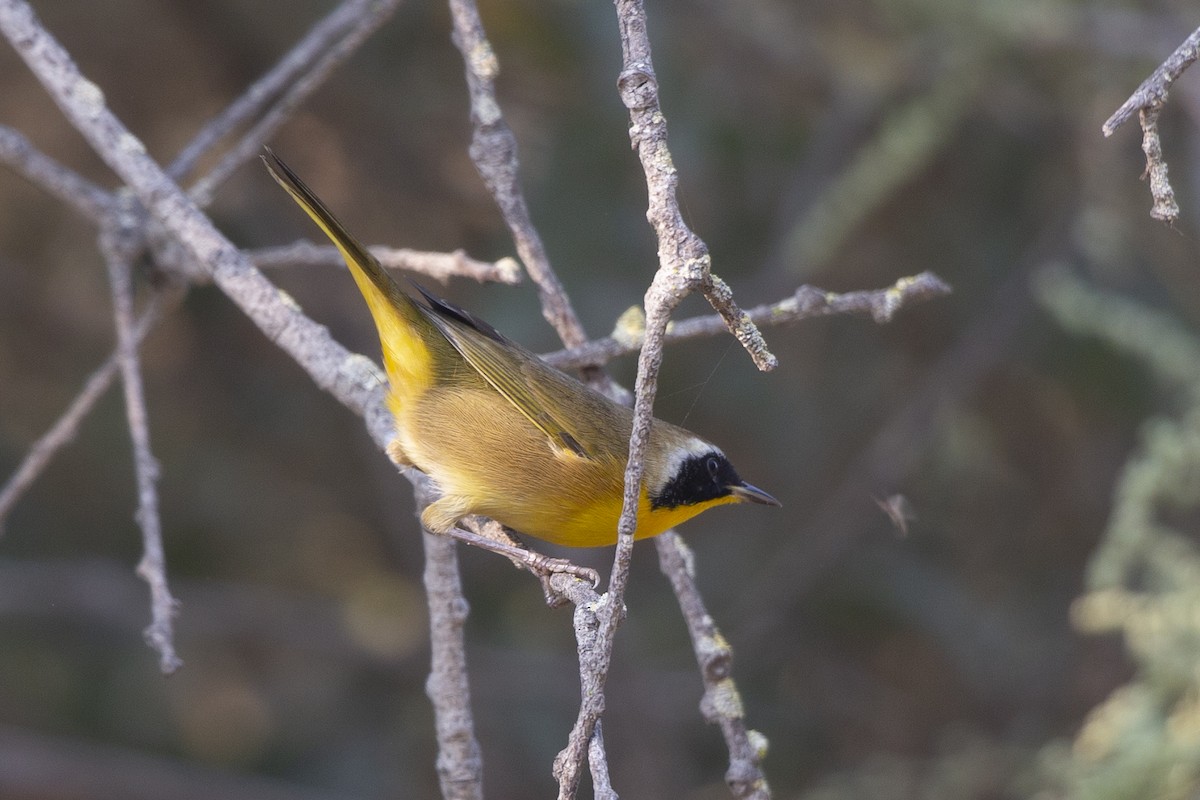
(714, 466)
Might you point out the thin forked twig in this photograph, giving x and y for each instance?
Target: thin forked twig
(1153, 91)
(331, 366)
(118, 243)
(1148, 100)
(335, 369)
(684, 267)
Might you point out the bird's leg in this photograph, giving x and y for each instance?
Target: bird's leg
(493, 536)
(445, 515)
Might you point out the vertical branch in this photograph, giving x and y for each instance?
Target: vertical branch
(459, 762)
(118, 243)
(494, 151)
(722, 703)
(1165, 208)
(684, 266)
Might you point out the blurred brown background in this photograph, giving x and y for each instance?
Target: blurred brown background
(843, 144)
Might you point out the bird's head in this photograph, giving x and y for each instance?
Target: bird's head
(691, 475)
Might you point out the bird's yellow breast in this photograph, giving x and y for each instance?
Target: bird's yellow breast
(478, 447)
(596, 525)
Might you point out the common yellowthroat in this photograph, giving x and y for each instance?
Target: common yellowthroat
(505, 435)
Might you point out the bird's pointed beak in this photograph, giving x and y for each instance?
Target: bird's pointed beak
(745, 493)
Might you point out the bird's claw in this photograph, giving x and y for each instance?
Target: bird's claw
(546, 568)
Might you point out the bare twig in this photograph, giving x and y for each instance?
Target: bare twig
(440, 266)
(349, 378)
(1164, 209)
(722, 703)
(118, 242)
(807, 302)
(351, 16)
(1153, 91)
(67, 425)
(1148, 101)
(459, 762)
(684, 267)
(590, 610)
(82, 195)
(494, 151)
(362, 18)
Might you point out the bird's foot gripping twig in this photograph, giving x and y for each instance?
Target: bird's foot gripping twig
(490, 535)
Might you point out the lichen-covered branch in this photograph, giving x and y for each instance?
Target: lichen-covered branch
(722, 703)
(349, 378)
(337, 370)
(1153, 91)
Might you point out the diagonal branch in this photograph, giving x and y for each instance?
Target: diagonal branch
(1153, 91)
(302, 71)
(288, 70)
(349, 378)
(352, 379)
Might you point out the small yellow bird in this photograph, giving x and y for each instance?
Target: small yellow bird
(506, 436)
